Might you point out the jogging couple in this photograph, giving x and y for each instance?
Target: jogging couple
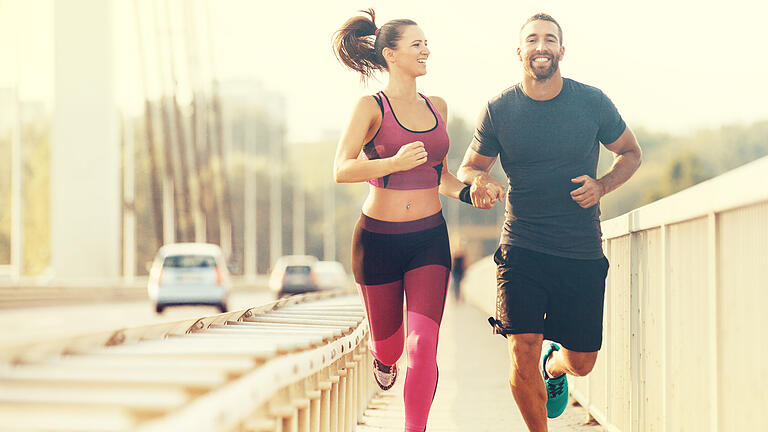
(546, 130)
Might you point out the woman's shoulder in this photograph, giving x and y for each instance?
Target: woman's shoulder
(437, 100)
(439, 103)
(369, 105)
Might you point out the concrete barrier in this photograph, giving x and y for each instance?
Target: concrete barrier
(683, 333)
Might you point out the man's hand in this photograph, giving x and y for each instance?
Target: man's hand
(486, 191)
(589, 193)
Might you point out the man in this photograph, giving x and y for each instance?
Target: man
(551, 269)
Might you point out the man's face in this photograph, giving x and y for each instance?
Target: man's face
(540, 49)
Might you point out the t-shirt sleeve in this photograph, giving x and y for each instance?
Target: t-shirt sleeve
(485, 141)
(611, 123)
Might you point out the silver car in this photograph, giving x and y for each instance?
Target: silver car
(189, 274)
(330, 275)
(292, 274)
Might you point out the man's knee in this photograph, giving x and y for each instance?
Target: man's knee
(524, 352)
(580, 364)
(582, 369)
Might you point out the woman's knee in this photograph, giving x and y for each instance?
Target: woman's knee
(421, 346)
(389, 350)
(386, 355)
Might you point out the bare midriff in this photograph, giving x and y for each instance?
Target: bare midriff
(401, 205)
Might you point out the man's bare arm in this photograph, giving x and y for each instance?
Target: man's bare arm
(485, 190)
(627, 160)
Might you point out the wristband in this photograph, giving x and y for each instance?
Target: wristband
(464, 195)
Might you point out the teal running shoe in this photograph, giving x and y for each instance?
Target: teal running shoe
(557, 388)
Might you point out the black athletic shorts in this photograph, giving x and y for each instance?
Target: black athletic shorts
(561, 298)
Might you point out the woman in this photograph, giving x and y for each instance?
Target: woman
(400, 244)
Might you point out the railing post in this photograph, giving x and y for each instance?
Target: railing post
(636, 332)
(315, 396)
(663, 318)
(712, 302)
(301, 405)
(360, 387)
(325, 401)
(342, 405)
(352, 389)
(280, 408)
(608, 332)
(335, 399)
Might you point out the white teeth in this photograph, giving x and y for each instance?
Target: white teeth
(421, 61)
(541, 59)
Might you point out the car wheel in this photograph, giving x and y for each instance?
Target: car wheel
(223, 308)
(159, 308)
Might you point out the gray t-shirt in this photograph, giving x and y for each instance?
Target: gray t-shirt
(542, 146)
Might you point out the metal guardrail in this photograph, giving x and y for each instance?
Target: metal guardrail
(298, 364)
(18, 296)
(29, 292)
(683, 321)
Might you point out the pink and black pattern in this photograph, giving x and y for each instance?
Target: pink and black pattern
(411, 261)
(392, 135)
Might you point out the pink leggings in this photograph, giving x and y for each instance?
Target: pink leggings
(392, 262)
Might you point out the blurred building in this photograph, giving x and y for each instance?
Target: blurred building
(254, 132)
(254, 117)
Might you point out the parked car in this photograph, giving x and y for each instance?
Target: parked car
(292, 274)
(189, 274)
(330, 275)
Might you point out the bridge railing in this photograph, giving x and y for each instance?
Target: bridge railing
(684, 328)
(6, 271)
(299, 364)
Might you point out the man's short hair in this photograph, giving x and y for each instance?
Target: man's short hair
(545, 17)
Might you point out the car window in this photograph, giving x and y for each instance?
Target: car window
(189, 261)
(297, 270)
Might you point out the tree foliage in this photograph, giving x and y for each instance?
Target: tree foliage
(670, 163)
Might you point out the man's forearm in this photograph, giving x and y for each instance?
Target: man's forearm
(467, 174)
(624, 166)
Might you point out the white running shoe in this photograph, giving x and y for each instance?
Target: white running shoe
(384, 375)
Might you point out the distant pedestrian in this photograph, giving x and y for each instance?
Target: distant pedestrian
(457, 272)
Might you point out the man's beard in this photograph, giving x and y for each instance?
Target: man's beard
(537, 73)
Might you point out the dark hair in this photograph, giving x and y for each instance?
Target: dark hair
(359, 46)
(544, 17)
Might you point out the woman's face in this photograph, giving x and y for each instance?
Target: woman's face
(411, 53)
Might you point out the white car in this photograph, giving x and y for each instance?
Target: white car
(189, 274)
(330, 275)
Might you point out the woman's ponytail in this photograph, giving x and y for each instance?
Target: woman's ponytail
(355, 45)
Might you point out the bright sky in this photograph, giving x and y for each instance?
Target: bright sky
(668, 65)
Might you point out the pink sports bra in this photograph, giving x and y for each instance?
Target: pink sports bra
(392, 135)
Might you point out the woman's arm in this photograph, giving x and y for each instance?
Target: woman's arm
(450, 186)
(347, 168)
